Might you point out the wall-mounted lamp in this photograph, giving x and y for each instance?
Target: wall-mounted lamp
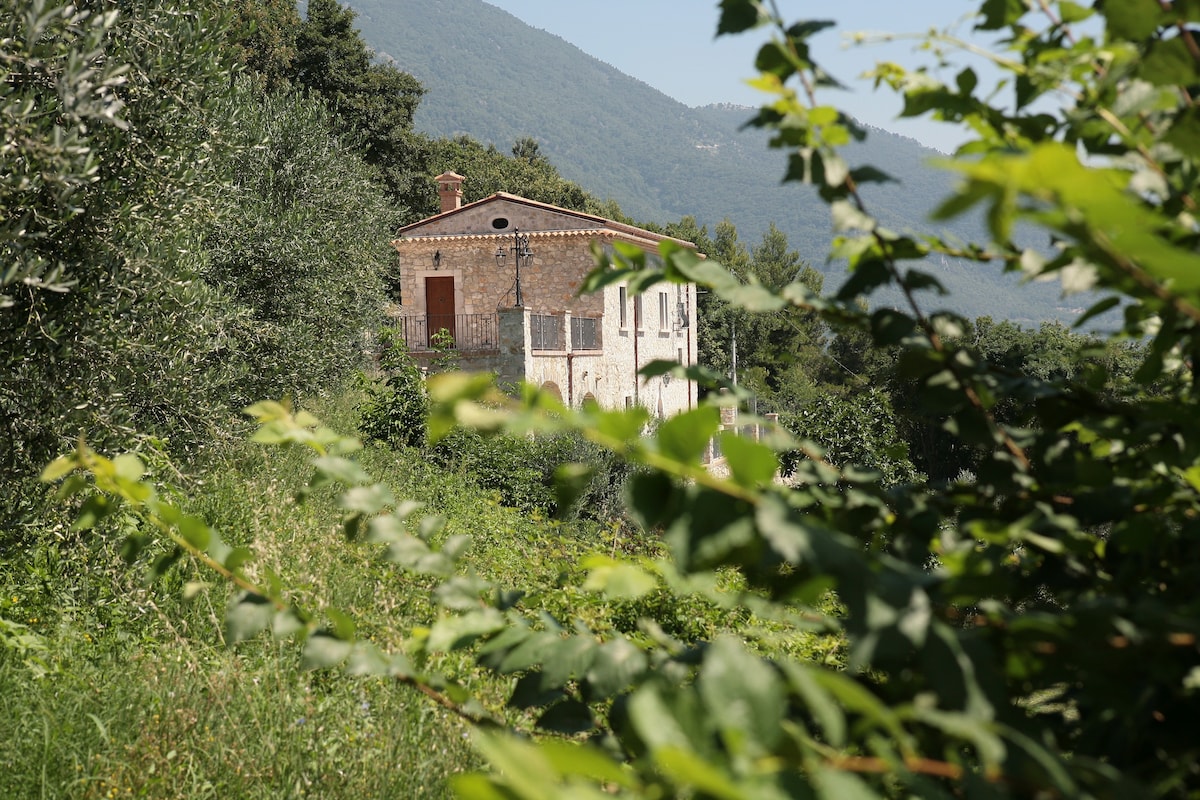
(666, 379)
(437, 259)
(522, 257)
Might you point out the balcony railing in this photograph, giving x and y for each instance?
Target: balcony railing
(545, 332)
(451, 331)
(466, 332)
(585, 334)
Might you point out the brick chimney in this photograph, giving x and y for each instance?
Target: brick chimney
(450, 190)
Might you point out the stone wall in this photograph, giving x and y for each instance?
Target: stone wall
(548, 284)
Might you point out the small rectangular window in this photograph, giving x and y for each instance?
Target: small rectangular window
(621, 299)
(664, 312)
(637, 312)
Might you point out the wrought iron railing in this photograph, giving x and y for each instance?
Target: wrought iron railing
(585, 334)
(545, 332)
(451, 331)
(423, 332)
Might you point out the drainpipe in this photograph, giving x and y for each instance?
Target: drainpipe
(570, 380)
(692, 320)
(635, 360)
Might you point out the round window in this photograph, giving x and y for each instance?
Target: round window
(500, 223)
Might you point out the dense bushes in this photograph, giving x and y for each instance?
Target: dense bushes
(857, 430)
(521, 471)
(179, 243)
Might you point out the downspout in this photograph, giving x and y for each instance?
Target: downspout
(692, 320)
(570, 380)
(635, 359)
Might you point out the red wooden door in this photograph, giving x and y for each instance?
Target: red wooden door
(439, 305)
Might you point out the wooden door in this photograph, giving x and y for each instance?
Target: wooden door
(439, 305)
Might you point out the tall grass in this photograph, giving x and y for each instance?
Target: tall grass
(113, 688)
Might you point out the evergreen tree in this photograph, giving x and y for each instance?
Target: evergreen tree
(372, 104)
(526, 172)
(264, 35)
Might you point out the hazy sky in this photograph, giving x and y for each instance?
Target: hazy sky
(670, 44)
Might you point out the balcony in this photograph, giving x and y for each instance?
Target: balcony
(478, 332)
(464, 332)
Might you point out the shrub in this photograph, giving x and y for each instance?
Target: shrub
(395, 408)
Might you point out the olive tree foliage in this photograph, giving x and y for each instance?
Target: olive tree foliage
(298, 238)
(177, 242)
(1028, 633)
(101, 168)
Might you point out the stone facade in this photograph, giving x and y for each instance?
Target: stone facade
(461, 244)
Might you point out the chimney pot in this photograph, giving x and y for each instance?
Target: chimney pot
(450, 190)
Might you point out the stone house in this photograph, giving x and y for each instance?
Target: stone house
(498, 279)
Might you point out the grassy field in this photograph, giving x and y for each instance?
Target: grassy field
(110, 687)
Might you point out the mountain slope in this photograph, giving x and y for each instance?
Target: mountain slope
(495, 78)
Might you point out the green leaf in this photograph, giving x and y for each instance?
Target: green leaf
(453, 633)
(323, 650)
(286, 623)
(63, 465)
(194, 531)
(1185, 132)
(343, 624)
(568, 717)
(751, 464)
(462, 592)
(999, 14)
(1131, 20)
(616, 664)
(129, 467)
(342, 470)
(980, 732)
(532, 651)
(743, 695)
(870, 174)
(367, 500)
(833, 784)
(684, 437)
(366, 659)
(572, 758)
(236, 557)
(819, 701)
(889, 327)
(247, 617)
(617, 579)
(739, 15)
(93, 510)
(688, 768)
(1169, 63)
(531, 691)
(1071, 12)
(568, 659)
(775, 59)
(523, 767)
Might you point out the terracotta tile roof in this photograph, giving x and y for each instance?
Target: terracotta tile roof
(606, 224)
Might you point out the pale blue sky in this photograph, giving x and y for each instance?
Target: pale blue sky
(670, 45)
